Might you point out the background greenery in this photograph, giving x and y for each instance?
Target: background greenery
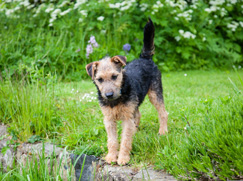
(52, 35)
(44, 94)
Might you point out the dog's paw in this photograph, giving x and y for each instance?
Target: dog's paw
(111, 157)
(123, 159)
(163, 131)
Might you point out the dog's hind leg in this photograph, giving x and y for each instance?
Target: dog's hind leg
(137, 116)
(155, 95)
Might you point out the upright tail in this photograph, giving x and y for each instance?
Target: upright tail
(148, 40)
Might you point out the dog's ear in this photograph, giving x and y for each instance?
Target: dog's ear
(91, 69)
(118, 59)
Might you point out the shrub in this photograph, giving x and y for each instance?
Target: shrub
(53, 35)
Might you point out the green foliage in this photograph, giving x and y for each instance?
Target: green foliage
(34, 139)
(52, 36)
(212, 149)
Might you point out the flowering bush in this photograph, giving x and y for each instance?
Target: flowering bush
(57, 35)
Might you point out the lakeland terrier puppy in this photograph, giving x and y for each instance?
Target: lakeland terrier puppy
(122, 90)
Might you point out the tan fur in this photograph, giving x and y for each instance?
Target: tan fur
(137, 118)
(119, 112)
(126, 114)
(128, 130)
(111, 129)
(105, 69)
(163, 115)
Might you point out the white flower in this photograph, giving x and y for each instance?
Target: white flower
(187, 34)
(25, 3)
(30, 6)
(52, 19)
(159, 4)
(216, 2)
(78, 3)
(181, 31)
(143, 6)
(125, 7)
(186, 15)
(103, 31)
(101, 18)
(9, 12)
(65, 12)
(80, 20)
(63, 4)
(211, 9)
(180, 3)
(241, 24)
(84, 13)
(49, 9)
(223, 12)
(115, 6)
(177, 38)
(16, 8)
(56, 12)
(233, 26)
(88, 97)
(204, 39)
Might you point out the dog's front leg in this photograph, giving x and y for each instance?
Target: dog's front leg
(129, 128)
(111, 129)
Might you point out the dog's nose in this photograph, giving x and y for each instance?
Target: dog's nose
(109, 95)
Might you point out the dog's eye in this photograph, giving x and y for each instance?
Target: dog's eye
(114, 77)
(100, 80)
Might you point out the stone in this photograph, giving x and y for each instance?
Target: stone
(57, 157)
(126, 173)
(3, 130)
(6, 159)
(151, 174)
(85, 166)
(115, 173)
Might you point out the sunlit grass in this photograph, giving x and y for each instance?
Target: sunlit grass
(69, 113)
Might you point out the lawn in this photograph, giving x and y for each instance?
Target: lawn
(205, 121)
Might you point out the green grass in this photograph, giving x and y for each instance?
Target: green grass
(205, 121)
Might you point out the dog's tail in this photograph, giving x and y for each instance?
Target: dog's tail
(148, 41)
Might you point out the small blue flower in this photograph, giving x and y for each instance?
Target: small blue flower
(127, 47)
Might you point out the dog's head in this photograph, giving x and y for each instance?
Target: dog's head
(107, 74)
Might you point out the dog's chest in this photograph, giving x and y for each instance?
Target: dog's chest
(119, 112)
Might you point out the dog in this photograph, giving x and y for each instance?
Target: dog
(121, 90)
